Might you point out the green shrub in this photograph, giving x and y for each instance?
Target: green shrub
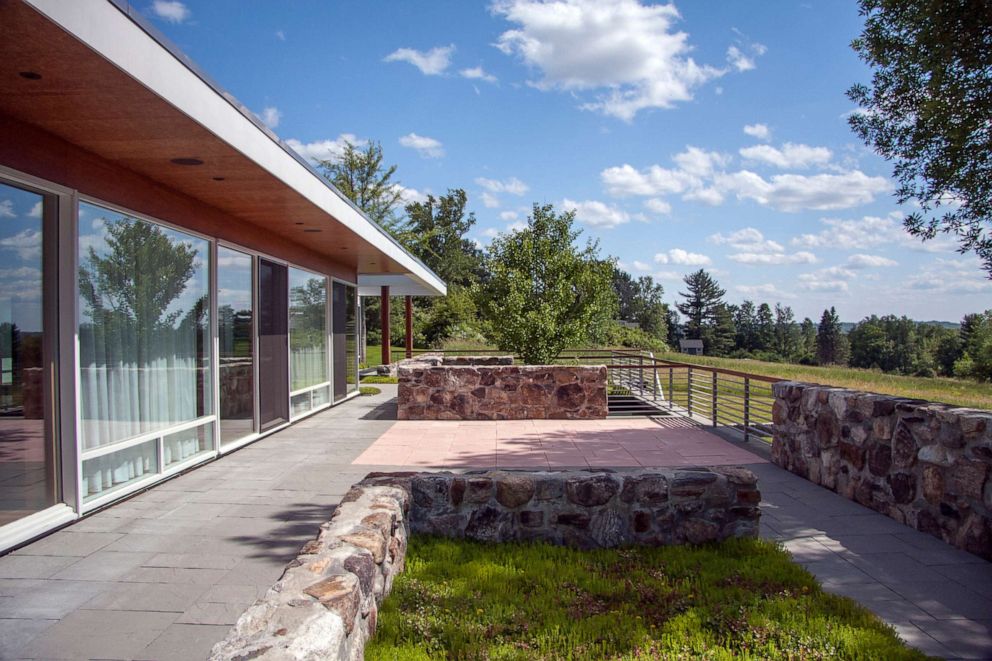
(375, 378)
(368, 390)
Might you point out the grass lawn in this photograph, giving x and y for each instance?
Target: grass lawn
(960, 392)
(740, 599)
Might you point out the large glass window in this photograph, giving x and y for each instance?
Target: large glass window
(236, 341)
(28, 472)
(345, 327)
(144, 347)
(307, 340)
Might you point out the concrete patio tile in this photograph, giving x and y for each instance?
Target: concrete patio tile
(192, 560)
(976, 576)
(967, 640)
(15, 634)
(864, 593)
(913, 635)
(944, 600)
(892, 568)
(33, 566)
(231, 594)
(70, 543)
(157, 597)
(212, 613)
(175, 575)
(102, 566)
(182, 642)
(836, 570)
(51, 600)
(91, 634)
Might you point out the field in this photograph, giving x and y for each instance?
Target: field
(959, 392)
(739, 599)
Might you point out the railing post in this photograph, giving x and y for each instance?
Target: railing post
(671, 388)
(747, 407)
(714, 396)
(688, 390)
(640, 377)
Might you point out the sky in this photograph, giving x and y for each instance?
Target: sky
(685, 136)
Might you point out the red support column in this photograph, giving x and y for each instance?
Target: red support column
(409, 326)
(384, 318)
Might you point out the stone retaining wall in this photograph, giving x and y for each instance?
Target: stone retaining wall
(326, 603)
(469, 390)
(584, 509)
(926, 465)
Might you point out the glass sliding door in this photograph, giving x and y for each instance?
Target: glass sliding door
(236, 344)
(28, 458)
(345, 327)
(273, 344)
(310, 381)
(145, 398)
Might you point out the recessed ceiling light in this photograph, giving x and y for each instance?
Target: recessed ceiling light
(219, 178)
(29, 75)
(299, 223)
(313, 230)
(186, 161)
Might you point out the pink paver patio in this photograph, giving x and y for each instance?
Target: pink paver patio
(620, 442)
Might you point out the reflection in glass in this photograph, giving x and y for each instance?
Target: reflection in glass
(27, 457)
(307, 329)
(144, 346)
(345, 326)
(351, 337)
(236, 342)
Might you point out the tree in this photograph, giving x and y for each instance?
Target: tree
(831, 345)
(976, 359)
(718, 337)
(544, 293)
(361, 176)
(928, 111)
(807, 341)
(786, 334)
(745, 319)
(437, 230)
(701, 300)
(764, 328)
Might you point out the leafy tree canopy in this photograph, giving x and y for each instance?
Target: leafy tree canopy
(928, 110)
(363, 178)
(544, 293)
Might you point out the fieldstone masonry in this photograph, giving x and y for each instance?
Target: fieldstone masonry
(326, 603)
(492, 388)
(926, 465)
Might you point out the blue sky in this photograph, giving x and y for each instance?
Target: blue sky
(690, 135)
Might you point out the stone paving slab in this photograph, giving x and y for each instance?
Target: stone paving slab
(198, 549)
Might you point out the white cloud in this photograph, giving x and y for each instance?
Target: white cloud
(431, 63)
(513, 186)
(477, 73)
(951, 276)
(739, 60)
(7, 209)
(694, 166)
(409, 195)
(764, 290)
(489, 200)
(642, 266)
(748, 239)
(795, 192)
(862, 261)
(789, 156)
(759, 131)
(35, 210)
(508, 216)
(682, 257)
(658, 205)
(819, 283)
(171, 10)
(627, 51)
(774, 259)
(597, 214)
(27, 244)
(490, 232)
(270, 116)
(280, 35)
(868, 232)
(323, 150)
(425, 146)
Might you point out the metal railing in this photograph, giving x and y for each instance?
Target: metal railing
(710, 395)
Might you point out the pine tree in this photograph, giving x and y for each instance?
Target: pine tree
(701, 300)
(745, 319)
(831, 345)
(764, 328)
(718, 337)
(807, 335)
(786, 333)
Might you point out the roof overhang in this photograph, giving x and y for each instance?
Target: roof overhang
(113, 86)
(370, 284)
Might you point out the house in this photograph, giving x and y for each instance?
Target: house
(176, 282)
(691, 347)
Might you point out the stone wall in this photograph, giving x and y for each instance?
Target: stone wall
(926, 465)
(326, 602)
(431, 391)
(584, 509)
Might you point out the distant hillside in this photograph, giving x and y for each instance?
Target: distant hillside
(846, 326)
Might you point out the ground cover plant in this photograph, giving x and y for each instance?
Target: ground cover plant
(376, 378)
(740, 599)
(369, 390)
